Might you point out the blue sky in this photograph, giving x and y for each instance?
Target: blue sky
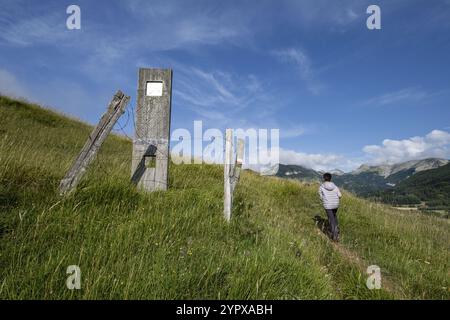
(341, 94)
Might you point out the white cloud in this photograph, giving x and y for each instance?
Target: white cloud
(292, 132)
(436, 144)
(314, 161)
(9, 85)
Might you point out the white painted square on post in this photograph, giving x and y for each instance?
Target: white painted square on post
(154, 89)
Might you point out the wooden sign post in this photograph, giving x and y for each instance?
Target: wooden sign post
(232, 171)
(150, 160)
(115, 109)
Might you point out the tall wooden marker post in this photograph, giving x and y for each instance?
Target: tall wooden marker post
(150, 160)
(232, 171)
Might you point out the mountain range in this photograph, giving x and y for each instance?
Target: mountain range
(429, 189)
(412, 182)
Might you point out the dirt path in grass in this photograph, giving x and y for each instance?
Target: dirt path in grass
(352, 257)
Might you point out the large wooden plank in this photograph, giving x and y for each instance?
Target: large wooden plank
(150, 159)
(115, 109)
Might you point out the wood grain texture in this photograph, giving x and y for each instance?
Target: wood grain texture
(227, 175)
(238, 164)
(152, 132)
(90, 149)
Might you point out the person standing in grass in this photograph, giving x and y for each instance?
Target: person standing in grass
(330, 196)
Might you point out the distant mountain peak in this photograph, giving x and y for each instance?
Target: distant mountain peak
(337, 172)
(382, 170)
(386, 170)
(372, 180)
(297, 172)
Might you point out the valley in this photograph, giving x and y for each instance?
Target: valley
(422, 185)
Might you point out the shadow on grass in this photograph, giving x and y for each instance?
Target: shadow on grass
(323, 225)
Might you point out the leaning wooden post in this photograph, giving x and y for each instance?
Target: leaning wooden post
(232, 171)
(115, 109)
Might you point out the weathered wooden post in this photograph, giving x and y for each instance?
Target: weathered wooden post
(228, 193)
(232, 171)
(238, 163)
(115, 109)
(150, 160)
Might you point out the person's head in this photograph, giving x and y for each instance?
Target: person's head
(327, 177)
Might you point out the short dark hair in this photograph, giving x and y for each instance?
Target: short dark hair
(327, 176)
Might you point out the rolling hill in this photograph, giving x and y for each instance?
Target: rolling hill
(369, 179)
(429, 188)
(176, 244)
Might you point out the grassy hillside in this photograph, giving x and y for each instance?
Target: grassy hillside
(176, 245)
(362, 184)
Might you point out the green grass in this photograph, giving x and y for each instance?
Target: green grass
(176, 244)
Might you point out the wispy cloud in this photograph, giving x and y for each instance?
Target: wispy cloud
(292, 132)
(232, 100)
(228, 98)
(412, 94)
(338, 15)
(180, 25)
(25, 28)
(317, 161)
(157, 26)
(303, 64)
